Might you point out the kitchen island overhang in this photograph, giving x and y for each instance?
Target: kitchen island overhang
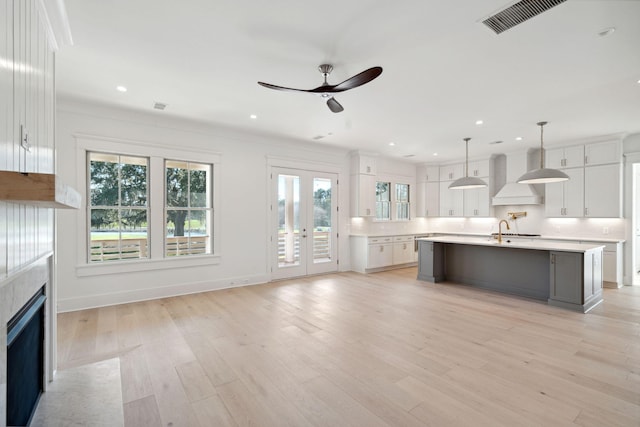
(565, 274)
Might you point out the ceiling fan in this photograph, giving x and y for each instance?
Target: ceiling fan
(326, 90)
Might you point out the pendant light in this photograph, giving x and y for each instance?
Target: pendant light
(542, 175)
(467, 181)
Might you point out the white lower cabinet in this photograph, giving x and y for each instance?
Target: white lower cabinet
(403, 250)
(374, 253)
(380, 252)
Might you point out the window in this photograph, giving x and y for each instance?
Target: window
(126, 223)
(187, 208)
(402, 202)
(383, 201)
(118, 207)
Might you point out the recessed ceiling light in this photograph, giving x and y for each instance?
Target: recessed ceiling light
(518, 138)
(391, 144)
(479, 122)
(606, 31)
(435, 154)
(121, 89)
(253, 116)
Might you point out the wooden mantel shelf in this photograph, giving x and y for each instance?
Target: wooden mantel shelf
(38, 189)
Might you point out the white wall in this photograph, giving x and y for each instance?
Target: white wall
(243, 210)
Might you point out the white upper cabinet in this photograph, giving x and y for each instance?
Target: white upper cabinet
(601, 153)
(363, 164)
(477, 202)
(451, 172)
(566, 198)
(451, 201)
(479, 168)
(564, 157)
(428, 173)
(428, 200)
(602, 191)
(363, 195)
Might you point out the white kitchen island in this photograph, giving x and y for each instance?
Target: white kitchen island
(564, 274)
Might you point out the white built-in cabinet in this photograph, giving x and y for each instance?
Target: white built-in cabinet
(477, 202)
(451, 201)
(382, 252)
(566, 198)
(451, 172)
(436, 199)
(594, 188)
(602, 191)
(363, 185)
(564, 157)
(428, 191)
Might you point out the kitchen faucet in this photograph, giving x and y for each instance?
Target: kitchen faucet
(500, 229)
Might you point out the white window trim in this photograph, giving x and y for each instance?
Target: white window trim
(156, 153)
(393, 180)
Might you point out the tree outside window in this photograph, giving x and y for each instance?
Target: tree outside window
(118, 207)
(402, 201)
(383, 201)
(188, 208)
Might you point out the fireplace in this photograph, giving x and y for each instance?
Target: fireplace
(25, 360)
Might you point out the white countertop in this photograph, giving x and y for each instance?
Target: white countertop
(542, 245)
(480, 235)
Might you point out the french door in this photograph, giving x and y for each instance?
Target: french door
(304, 222)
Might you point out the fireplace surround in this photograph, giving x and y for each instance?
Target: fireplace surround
(15, 292)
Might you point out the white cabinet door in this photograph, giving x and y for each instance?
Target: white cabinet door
(566, 198)
(600, 153)
(609, 267)
(432, 199)
(574, 193)
(421, 199)
(479, 168)
(451, 172)
(574, 156)
(363, 195)
(451, 201)
(554, 158)
(602, 191)
(554, 199)
(379, 255)
(363, 165)
(564, 157)
(477, 202)
(433, 174)
(403, 251)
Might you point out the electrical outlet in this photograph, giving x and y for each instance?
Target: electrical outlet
(605, 230)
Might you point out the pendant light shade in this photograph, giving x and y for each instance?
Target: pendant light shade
(542, 175)
(467, 181)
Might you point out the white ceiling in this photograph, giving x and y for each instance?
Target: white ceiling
(443, 69)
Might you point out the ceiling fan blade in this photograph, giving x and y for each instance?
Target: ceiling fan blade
(286, 89)
(358, 80)
(334, 105)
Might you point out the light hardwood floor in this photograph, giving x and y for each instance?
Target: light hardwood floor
(365, 350)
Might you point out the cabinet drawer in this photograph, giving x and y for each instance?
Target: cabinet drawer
(378, 240)
(403, 239)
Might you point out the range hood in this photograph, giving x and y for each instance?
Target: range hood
(513, 193)
(37, 189)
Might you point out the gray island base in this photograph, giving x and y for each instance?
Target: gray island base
(567, 275)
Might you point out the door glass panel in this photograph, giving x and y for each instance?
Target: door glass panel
(321, 220)
(288, 220)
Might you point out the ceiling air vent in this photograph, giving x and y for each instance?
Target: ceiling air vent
(518, 13)
(159, 106)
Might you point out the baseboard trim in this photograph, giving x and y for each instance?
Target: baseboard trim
(136, 295)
